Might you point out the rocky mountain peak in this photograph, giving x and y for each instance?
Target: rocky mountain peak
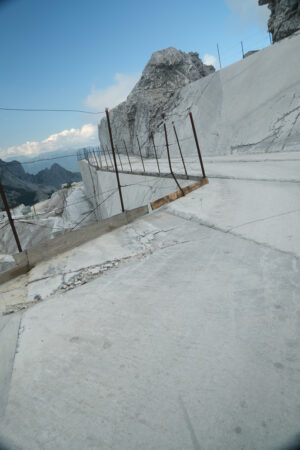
(284, 19)
(171, 69)
(166, 72)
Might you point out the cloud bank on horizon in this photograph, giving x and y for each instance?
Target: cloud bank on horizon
(85, 136)
(66, 139)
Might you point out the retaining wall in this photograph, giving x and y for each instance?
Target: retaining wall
(32, 256)
(137, 190)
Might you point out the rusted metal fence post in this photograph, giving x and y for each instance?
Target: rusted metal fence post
(137, 138)
(97, 157)
(108, 152)
(85, 154)
(152, 138)
(115, 161)
(99, 152)
(96, 161)
(243, 53)
(105, 157)
(169, 158)
(219, 56)
(197, 145)
(127, 154)
(12, 225)
(117, 150)
(183, 163)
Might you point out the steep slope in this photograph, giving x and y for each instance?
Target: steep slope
(250, 106)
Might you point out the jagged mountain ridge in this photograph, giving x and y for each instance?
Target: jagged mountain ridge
(166, 72)
(22, 187)
(56, 176)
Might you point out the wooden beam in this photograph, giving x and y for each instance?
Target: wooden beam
(177, 194)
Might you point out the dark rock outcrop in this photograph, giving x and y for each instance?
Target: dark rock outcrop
(284, 19)
(56, 176)
(167, 71)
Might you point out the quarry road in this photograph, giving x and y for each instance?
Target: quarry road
(178, 331)
(279, 166)
(192, 345)
(264, 212)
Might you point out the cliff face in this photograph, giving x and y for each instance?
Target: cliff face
(284, 19)
(250, 106)
(167, 71)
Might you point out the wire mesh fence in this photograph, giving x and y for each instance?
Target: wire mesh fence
(167, 161)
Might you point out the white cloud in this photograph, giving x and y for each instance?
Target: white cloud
(250, 11)
(110, 97)
(88, 134)
(67, 139)
(210, 60)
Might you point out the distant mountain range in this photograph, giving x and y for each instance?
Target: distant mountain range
(22, 187)
(34, 164)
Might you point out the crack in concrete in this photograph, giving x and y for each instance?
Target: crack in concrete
(20, 329)
(287, 114)
(189, 425)
(233, 148)
(85, 275)
(247, 161)
(38, 279)
(216, 228)
(173, 244)
(271, 180)
(291, 130)
(17, 307)
(264, 219)
(277, 127)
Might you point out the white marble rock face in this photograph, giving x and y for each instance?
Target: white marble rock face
(247, 107)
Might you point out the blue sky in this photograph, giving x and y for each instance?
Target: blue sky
(88, 55)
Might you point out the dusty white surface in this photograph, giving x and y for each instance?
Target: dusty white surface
(182, 329)
(179, 331)
(255, 196)
(264, 212)
(250, 106)
(191, 345)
